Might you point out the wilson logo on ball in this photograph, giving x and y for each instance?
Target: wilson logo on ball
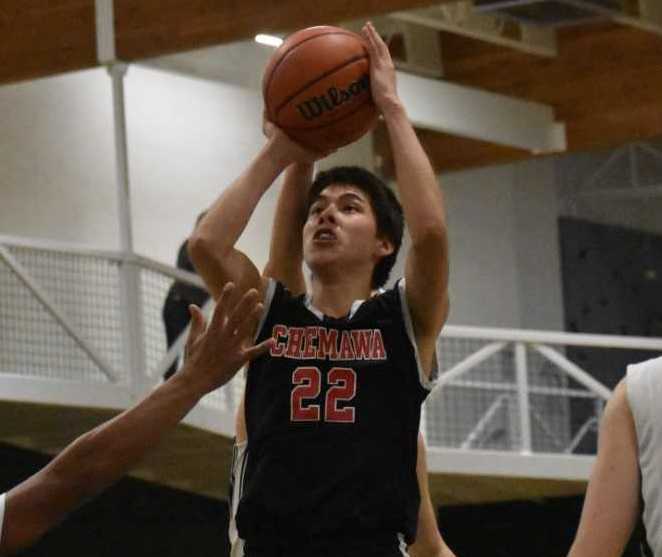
(315, 107)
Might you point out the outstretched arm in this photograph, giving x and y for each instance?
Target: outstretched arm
(611, 505)
(98, 458)
(426, 270)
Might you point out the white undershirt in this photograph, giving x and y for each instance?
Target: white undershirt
(644, 388)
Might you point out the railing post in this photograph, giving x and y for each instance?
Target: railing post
(132, 321)
(523, 398)
(130, 289)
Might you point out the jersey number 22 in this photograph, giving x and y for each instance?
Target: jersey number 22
(307, 383)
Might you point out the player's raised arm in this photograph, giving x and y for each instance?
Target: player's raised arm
(212, 244)
(285, 252)
(611, 505)
(100, 457)
(426, 269)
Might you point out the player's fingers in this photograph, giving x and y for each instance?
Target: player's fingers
(259, 349)
(267, 127)
(197, 326)
(248, 326)
(223, 306)
(379, 44)
(369, 40)
(243, 311)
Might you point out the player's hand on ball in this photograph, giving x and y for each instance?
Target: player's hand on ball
(382, 70)
(216, 352)
(288, 149)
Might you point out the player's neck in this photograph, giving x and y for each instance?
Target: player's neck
(335, 298)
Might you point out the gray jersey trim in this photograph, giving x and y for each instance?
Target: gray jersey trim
(268, 299)
(428, 383)
(237, 472)
(402, 545)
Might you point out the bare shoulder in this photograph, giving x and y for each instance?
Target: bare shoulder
(618, 419)
(618, 403)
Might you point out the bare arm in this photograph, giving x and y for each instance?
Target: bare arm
(212, 244)
(426, 270)
(286, 253)
(429, 542)
(98, 458)
(611, 505)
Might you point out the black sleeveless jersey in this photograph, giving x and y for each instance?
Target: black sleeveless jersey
(332, 415)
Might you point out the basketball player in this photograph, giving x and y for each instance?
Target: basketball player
(285, 266)
(100, 457)
(628, 469)
(333, 412)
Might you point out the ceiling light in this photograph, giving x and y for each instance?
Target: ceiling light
(269, 40)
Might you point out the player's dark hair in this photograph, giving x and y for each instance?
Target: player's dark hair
(387, 209)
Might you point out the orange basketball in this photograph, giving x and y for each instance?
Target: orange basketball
(316, 88)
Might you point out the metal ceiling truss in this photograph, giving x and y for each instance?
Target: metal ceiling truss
(630, 157)
(463, 19)
(642, 14)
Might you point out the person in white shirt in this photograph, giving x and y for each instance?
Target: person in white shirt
(100, 457)
(627, 475)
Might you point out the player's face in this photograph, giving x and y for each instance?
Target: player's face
(341, 229)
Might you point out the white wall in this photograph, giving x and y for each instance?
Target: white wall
(483, 270)
(188, 138)
(57, 177)
(504, 247)
(537, 247)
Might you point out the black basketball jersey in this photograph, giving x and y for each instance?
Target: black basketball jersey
(333, 415)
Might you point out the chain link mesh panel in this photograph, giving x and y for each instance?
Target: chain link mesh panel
(564, 413)
(476, 409)
(154, 289)
(481, 408)
(228, 397)
(85, 289)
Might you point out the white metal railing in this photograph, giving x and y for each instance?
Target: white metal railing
(63, 332)
(550, 404)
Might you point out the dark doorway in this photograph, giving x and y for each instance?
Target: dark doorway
(612, 284)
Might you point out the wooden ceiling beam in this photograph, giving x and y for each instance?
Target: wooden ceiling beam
(154, 27)
(607, 97)
(45, 38)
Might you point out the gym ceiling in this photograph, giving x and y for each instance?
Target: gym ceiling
(597, 63)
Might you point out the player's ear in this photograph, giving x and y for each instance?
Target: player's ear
(384, 247)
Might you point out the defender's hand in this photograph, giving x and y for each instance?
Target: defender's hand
(216, 352)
